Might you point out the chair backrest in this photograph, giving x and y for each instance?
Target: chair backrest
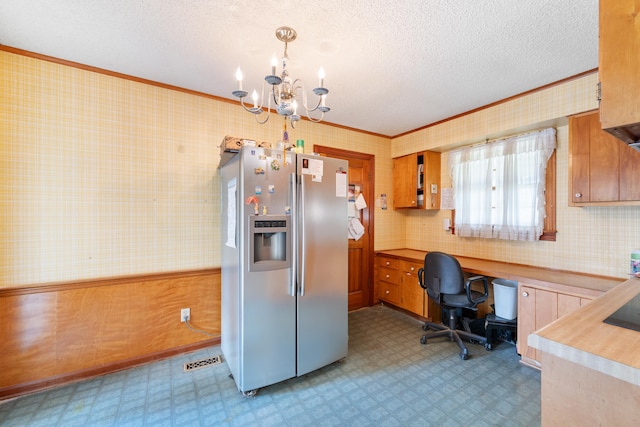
(442, 275)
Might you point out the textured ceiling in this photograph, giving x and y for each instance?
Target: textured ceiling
(391, 66)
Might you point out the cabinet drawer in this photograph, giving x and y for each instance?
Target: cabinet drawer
(388, 275)
(411, 267)
(389, 292)
(388, 262)
(410, 272)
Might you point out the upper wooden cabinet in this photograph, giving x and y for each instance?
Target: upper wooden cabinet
(416, 181)
(602, 171)
(618, 68)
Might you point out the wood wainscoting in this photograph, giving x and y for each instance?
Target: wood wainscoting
(63, 332)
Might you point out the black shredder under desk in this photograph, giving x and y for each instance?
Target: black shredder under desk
(493, 324)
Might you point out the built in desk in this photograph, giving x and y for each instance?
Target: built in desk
(544, 294)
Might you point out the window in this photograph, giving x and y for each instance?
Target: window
(499, 187)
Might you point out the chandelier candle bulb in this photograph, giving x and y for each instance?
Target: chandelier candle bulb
(255, 99)
(274, 64)
(239, 78)
(321, 76)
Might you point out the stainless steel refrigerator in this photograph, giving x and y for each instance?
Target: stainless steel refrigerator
(284, 265)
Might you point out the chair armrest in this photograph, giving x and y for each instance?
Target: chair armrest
(467, 287)
(420, 278)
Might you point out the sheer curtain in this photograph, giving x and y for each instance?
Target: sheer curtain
(498, 187)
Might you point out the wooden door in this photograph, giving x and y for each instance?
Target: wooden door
(361, 173)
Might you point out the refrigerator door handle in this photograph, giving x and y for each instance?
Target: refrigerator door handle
(293, 280)
(303, 248)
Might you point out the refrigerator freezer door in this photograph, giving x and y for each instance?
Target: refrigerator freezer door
(258, 310)
(323, 307)
(267, 331)
(268, 310)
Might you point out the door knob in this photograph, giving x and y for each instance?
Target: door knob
(525, 294)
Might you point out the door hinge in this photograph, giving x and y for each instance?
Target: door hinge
(599, 92)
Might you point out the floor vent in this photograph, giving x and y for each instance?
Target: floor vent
(202, 363)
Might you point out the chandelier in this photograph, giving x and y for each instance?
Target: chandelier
(285, 91)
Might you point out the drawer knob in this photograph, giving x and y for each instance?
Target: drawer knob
(413, 268)
(387, 276)
(387, 292)
(578, 195)
(525, 294)
(387, 263)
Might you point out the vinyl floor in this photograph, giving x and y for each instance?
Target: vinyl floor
(387, 379)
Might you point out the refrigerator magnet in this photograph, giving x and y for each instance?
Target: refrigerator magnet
(272, 188)
(258, 189)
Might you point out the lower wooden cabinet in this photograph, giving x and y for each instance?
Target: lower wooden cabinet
(397, 284)
(413, 296)
(537, 307)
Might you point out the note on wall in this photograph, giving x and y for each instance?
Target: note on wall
(446, 199)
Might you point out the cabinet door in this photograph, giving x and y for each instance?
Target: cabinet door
(629, 174)
(619, 63)
(526, 320)
(601, 168)
(604, 167)
(405, 181)
(412, 292)
(593, 161)
(431, 161)
(567, 304)
(536, 309)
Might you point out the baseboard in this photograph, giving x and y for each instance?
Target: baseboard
(64, 379)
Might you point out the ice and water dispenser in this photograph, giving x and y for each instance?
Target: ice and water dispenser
(269, 242)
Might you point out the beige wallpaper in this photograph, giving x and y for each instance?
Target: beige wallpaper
(104, 177)
(595, 240)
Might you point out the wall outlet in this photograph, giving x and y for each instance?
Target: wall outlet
(185, 314)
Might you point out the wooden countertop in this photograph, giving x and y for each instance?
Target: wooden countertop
(582, 338)
(558, 280)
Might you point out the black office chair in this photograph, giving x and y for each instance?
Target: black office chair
(444, 281)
